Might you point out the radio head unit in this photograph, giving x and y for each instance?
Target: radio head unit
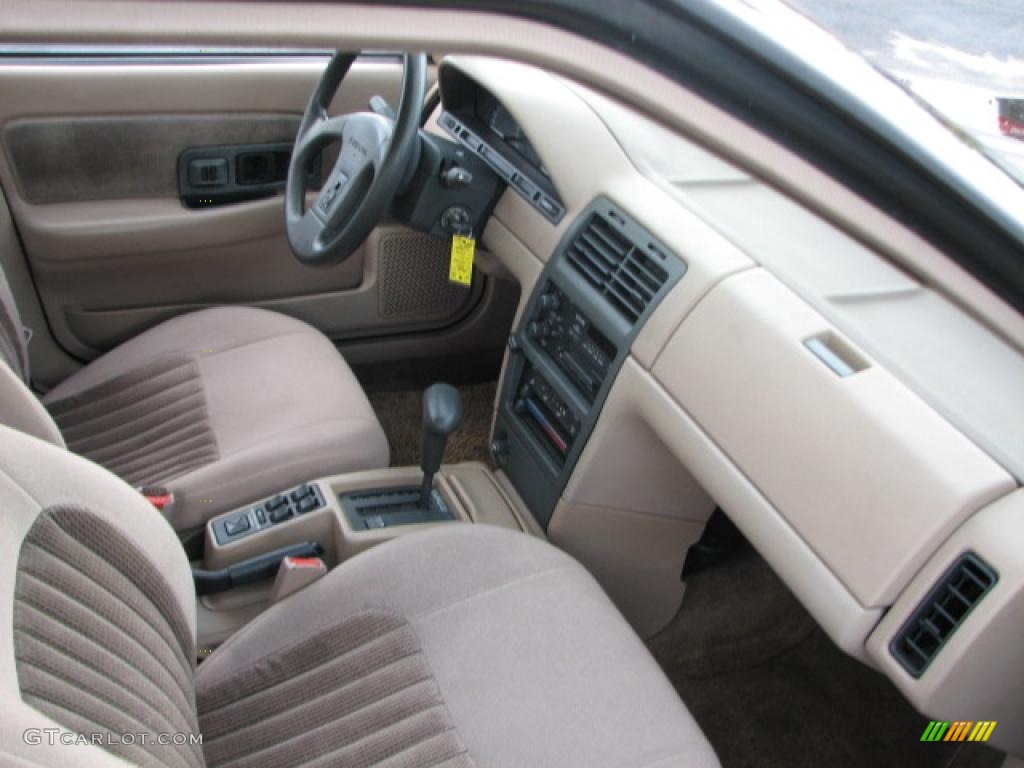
(571, 340)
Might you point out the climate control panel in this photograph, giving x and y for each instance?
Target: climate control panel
(552, 420)
(571, 340)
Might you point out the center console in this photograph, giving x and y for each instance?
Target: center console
(275, 546)
(591, 300)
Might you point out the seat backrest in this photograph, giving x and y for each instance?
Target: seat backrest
(13, 346)
(19, 407)
(99, 596)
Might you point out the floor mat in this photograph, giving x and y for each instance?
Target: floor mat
(770, 689)
(401, 416)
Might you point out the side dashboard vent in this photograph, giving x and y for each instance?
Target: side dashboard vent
(627, 275)
(941, 613)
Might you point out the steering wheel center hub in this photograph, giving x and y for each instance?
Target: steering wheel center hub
(375, 154)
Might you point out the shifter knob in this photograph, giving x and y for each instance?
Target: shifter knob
(442, 414)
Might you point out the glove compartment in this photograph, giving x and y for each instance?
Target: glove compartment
(863, 470)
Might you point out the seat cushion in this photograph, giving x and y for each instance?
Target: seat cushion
(222, 406)
(465, 645)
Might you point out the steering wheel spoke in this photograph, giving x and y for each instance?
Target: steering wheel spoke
(375, 154)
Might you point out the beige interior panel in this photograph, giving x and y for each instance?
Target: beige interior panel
(219, 616)
(868, 474)
(276, 86)
(638, 559)
(520, 261)
(845, 620)
(47, 361)
(945, 354)
(979, 673)
(90, 312)
(515, 501)
(77, 234)
(485, 500)
(23, 413)
(626, 466)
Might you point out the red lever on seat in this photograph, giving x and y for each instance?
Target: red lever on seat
(158, 497)
(304, 562)
(160, 501)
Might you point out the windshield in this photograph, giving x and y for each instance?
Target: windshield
(963, 58)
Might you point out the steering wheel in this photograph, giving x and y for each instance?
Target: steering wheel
(376, 153)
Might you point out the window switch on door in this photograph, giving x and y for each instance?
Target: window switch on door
(208, 172)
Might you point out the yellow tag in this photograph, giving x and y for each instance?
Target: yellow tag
(461, 269)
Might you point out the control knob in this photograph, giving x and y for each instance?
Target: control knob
(538, 329)
(548, 301)
(500, 449)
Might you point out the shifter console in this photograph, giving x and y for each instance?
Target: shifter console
(368, 510)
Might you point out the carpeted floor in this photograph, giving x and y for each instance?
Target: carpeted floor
(771, 690)
(401, 416)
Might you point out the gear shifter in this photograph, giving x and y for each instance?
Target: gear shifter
(442, 414)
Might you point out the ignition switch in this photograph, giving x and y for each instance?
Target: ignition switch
(456, 221)
(456, 176)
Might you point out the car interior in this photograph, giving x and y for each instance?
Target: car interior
(699, 459)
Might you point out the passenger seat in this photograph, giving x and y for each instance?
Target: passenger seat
(220, 406)
(464, 646)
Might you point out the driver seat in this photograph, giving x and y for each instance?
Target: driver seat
(220, 406)
(465, 646)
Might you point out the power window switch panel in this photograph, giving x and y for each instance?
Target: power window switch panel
(208, 172)
(302, 492)
(281, 513)
(236, 525)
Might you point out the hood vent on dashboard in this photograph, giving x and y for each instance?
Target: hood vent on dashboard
(626, 274)
(945, 609)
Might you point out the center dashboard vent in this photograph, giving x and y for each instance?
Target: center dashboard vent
(941, 613)
(627, 274)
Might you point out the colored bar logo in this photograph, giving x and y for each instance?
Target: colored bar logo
(958, 730)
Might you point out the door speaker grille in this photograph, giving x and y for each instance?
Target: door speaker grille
(414, 278)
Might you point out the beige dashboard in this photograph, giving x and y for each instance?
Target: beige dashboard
(859, 487)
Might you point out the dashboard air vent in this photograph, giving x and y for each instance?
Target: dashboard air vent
(945, 609)
(626, 274)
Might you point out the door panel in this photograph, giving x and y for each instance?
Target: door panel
(60, 159)
(90, 168)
